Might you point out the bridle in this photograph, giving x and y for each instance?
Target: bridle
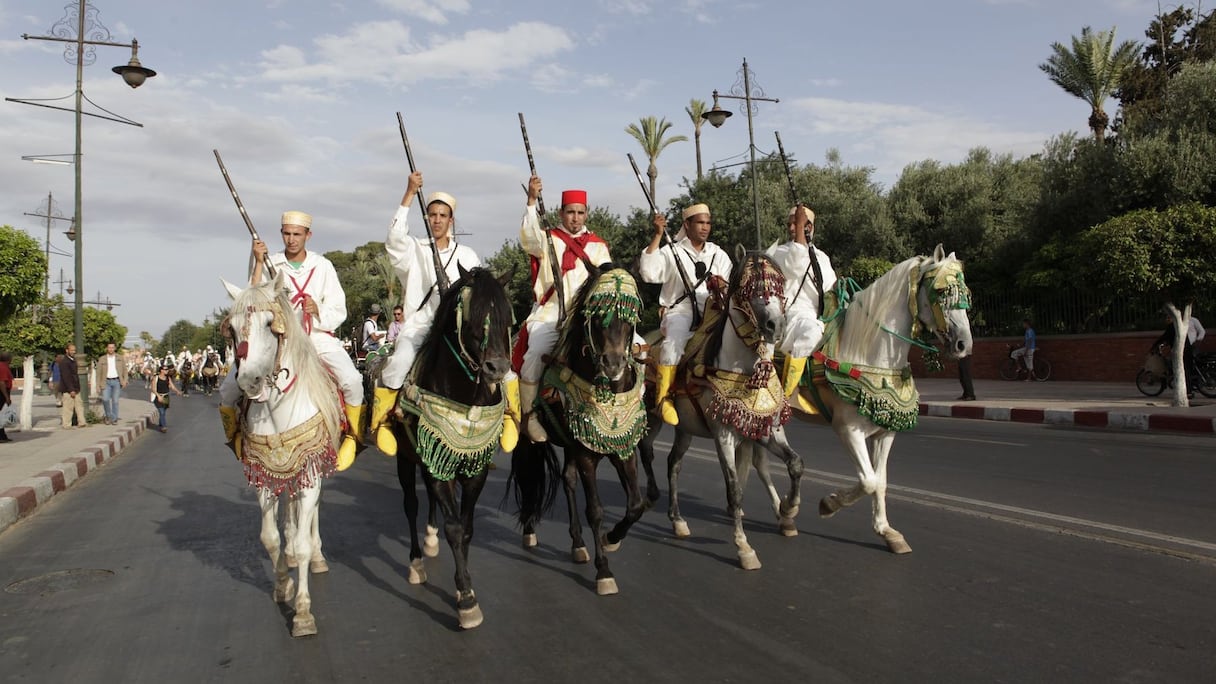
(278, 326)
(470, 364)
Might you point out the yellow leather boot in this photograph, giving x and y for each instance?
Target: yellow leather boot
(232, 429)
(351, 441)
(512, 417)
(791, 375)
(531, 423)
(383, 401)
(662, 386)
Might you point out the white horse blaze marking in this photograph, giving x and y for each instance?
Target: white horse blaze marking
(1040, 520)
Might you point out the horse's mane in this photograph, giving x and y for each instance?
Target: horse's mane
(713, 344)
(573, 329)
(482, 284)
(877, 305)
(298, 353)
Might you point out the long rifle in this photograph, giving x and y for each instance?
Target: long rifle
(248, 223)
(810, 247)
(441, 274)
(558, 288)
(689, 290)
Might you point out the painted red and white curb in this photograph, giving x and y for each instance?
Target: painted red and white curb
(1121, 420)
(19, 501)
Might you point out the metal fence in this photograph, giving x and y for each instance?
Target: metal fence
(996, 314)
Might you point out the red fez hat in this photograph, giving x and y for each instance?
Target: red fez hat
(574, 197)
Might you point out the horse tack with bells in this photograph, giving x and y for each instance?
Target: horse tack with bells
(289, 429)
(593, 409)
(860, 382)
(728, 390)
(454, 405)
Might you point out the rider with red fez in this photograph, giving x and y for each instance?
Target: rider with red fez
(803, 329)
(315, 291)
(574, 247)
(412, 260)
(701, 260)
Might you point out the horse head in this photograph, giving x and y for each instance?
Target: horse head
(757, 291)
(942, 301)
(259, 319)
(609, 307)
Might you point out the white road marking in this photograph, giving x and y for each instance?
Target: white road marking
(1041, 520)
(972, 439)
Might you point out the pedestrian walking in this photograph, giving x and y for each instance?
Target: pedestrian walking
(111, 375)
(162, 386)
(69, 381)
(6, 389)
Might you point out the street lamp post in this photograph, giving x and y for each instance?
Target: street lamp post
(742, 90)
(87, 24)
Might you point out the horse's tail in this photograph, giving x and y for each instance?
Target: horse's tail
(534, 478)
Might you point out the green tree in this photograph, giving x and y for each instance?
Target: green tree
(179, 335)
(1167, 252)
(22, 269)
(650, 135)
(1091, 70)
(696, 110)
(1175, 39)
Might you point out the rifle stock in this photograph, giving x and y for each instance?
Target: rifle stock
(814, 266)
(245, 215)
(689, 291)
(554, 266)
(441, 275)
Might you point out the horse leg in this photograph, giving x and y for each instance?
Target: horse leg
(787, 510)
(646, 454)
(727, 445)
(444, 493)
(587, 462)
(675, 461)
(290, 526)
(578, 548)
(317, 564)
(407, 475)
(284, 587)
(880, 449)
(854, 442)
(430, 544)
(635, 506)
(304, 623)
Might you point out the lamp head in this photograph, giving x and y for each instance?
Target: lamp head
(134, 73)
(716, 116)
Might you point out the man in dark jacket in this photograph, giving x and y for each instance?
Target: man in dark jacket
(69, 381)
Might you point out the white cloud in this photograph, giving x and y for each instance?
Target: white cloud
(434, 12)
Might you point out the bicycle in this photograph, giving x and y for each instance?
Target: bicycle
(1014, 368)
(1153, 382)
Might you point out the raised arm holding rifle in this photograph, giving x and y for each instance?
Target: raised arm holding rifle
(691, 252)
(316, 293)
(808, 275)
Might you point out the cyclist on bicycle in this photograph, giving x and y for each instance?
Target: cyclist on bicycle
(1195, 333)
(1026, 351)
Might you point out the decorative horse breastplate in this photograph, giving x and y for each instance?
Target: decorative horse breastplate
(291, 460)
(452, 438)
(610, 424)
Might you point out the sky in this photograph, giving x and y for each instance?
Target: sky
(300, 98)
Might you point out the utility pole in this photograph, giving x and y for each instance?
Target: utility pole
(49, 215)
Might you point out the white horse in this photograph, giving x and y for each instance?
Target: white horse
(289, 431)
(861, 381)
(740, 403)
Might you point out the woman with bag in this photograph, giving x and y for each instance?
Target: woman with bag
(160, 393)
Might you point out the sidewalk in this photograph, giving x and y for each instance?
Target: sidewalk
(46, 459)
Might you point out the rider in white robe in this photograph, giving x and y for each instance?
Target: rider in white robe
(701, 260)
(803, 329)
(316, 294)
(414, 264)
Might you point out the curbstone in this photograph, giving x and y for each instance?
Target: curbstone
(1073, 417)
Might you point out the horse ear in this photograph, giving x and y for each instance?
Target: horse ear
(506, 278)
(939, 253)
(740, 252)
(233, 290)
(464, 273)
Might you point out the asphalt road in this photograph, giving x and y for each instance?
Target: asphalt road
(1040, 554)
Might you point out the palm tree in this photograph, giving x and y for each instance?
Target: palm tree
(696, 109)
(1091, 70)
(650, 137)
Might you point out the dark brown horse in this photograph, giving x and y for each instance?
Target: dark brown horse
(596, 413)
(453, 404)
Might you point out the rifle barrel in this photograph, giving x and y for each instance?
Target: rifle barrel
(241, 207)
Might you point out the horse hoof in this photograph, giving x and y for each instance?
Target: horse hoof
(578, 555)
(530, 540)
(788, 511)
(606, 586)
(896, 542)
(610, 547)
(470, 617)
(285, 592)
(318, 566)
(302, 626)
(788, 527)
(430, 543)
(680, 528)
(417, 572)
(748, 560)
(828, 506)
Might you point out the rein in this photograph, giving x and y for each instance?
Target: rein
(468, 364)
